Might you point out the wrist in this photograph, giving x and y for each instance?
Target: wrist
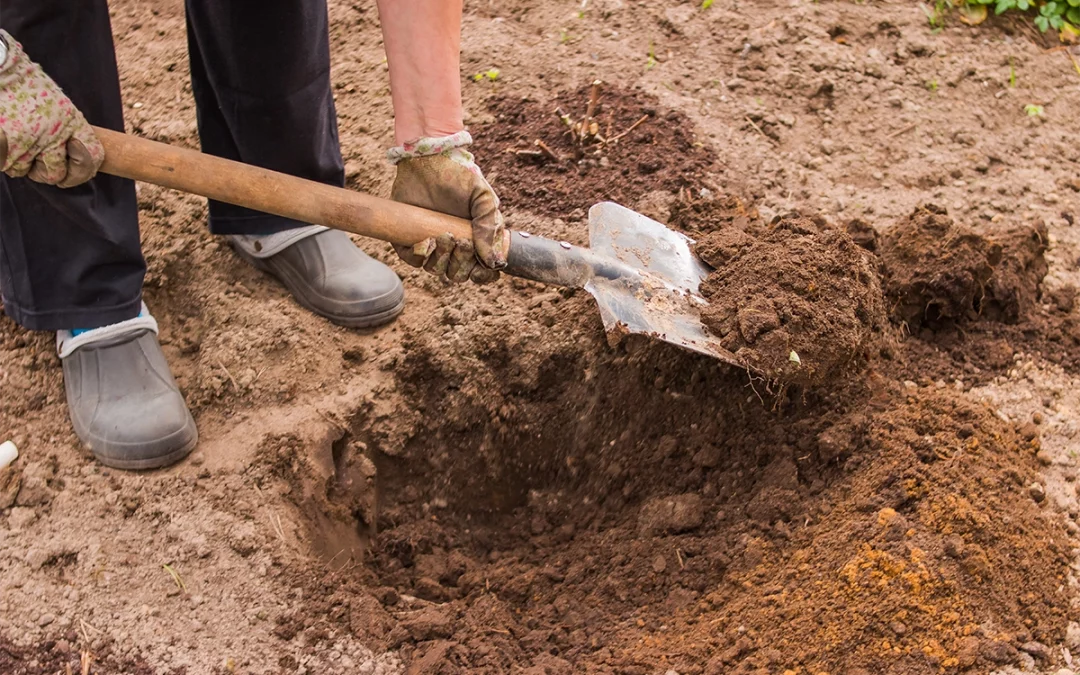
(411, 125)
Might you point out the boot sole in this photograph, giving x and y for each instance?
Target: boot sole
(159, 462)
(348, 321)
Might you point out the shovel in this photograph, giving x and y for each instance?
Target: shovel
(643, 276)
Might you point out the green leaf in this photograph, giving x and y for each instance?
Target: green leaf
(1074, 3)
(1056, 22)
(1074, 16)
(1042, 23)
(1023, 5)
(1049, 9)
(1004, 5)
(706, 4)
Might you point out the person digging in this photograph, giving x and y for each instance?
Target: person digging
(70, 258)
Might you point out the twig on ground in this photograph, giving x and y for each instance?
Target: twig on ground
(590, 110)
(236, 387)
(176, 577)
(758, 129)
(633, 126)
(85, 660)
(544, 149)
(901, 132)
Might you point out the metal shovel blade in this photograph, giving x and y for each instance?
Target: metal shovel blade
(662, 300)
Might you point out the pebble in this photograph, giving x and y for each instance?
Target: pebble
(1044, 457)
(1072, 636)
(678, 513)
(45, 620)
(1036, 649)
(1037, 492)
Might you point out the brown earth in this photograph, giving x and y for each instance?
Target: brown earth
(939, 270)
(797, 300)
(487, 485)
(660, 154)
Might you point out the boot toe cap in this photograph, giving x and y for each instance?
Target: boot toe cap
(161, 433)
(125, 405)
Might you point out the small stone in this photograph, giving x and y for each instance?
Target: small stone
(1044, 457)
(1072, 636)
(45, 620)
(1036, 649)
(996, 651)
(659, 564)
(1037, 492)
(671, 514)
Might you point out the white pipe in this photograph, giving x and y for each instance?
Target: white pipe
(8, 453)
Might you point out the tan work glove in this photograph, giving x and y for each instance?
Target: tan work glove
(440, 174)
(43, 136)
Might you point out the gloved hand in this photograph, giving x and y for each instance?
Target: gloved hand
(440, 174)
(43, 136)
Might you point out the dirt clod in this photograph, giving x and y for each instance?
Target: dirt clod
(797, 301)
(671, 514)
(937, 269)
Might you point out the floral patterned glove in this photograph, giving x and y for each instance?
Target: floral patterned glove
(43, 136)
(440, 174)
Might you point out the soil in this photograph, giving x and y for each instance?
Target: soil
(939, 270)
(488, 486)
(797, 301)
(660, 154)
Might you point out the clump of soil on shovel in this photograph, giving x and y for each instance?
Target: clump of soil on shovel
(797, 301)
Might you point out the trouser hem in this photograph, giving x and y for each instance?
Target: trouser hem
(69, 319)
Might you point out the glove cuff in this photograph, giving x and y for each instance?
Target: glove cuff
(10, 51)
(427, 146)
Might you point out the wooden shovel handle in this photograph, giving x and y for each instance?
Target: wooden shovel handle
(272, 192)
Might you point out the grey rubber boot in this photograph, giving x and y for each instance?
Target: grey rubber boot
(122, 399)
(327, 274)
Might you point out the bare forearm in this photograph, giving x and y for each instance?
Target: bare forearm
(423, 50)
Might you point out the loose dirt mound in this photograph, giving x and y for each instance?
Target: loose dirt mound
(939, 270)
(797, 300)
(540, 519)
(659, 154)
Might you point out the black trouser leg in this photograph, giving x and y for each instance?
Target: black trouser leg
(260, 72)
(70, 258)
